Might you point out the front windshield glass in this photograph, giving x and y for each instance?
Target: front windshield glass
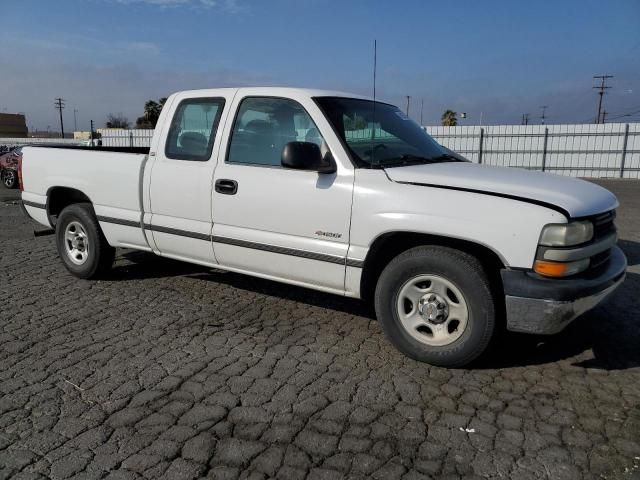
(381, 135)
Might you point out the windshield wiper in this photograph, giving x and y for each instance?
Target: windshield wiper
(410, 159)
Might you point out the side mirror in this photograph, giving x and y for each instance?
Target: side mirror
(306, 156)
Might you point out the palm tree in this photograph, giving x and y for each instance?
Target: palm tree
(152, 111)
(151, 114)
(449, 118)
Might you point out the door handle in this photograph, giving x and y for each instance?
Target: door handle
(227, 187)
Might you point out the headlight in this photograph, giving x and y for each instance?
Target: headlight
(566, 234)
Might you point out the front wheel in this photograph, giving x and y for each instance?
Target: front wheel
(435, 304)
(81, 244)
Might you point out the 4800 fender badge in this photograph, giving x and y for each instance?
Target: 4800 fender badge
(328, 234)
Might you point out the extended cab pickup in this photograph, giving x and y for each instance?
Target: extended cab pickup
(341, 194)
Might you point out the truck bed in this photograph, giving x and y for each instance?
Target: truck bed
(110, 178)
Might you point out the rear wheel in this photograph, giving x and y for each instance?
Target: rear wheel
(9, 178)
(81, 244)
(435, 304)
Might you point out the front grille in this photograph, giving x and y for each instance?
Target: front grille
(603, 224)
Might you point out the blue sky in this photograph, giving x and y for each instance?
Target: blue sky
(501, 58)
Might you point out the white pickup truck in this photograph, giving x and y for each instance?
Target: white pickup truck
(338, 193)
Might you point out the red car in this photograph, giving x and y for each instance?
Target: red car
(9, 168)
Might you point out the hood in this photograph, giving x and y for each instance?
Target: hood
(574, 197)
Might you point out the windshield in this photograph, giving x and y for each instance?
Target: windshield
(381, 135)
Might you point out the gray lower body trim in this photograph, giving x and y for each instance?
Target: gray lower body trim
(321, 257)
(355, 263)
(34, 204)
(118, 221)
(546, 317)
(178, 232)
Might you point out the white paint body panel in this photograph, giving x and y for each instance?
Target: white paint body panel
(282, 208)
(509, 228)
(110, 180)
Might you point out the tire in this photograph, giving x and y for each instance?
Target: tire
(421, 298)
(9, 178)
(82, 246)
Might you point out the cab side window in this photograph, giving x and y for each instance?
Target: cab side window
(193, 129)
(263, 126)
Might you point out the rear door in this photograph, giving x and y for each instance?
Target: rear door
(181, 176)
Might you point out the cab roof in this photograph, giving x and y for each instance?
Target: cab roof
(275, 91)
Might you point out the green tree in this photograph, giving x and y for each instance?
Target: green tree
(449, 118)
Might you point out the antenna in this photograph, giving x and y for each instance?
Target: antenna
(375, 61)
(373, 117)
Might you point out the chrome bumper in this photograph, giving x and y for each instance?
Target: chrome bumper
(546, 317)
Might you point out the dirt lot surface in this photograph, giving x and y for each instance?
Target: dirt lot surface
(176, 371)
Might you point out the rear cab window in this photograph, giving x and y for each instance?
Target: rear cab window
(193, 129)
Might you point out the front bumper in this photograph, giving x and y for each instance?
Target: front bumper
(539, 305)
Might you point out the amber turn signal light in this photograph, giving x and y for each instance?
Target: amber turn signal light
(559, 269)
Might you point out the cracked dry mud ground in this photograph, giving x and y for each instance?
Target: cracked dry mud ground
(175, 371)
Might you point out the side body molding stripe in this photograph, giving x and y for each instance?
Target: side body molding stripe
(176, 231)
(321, 257)
(34, 204)
(118, 221)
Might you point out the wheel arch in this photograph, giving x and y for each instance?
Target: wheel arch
(391, 244)
(58, 198)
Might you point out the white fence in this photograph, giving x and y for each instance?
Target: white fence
(605, 150)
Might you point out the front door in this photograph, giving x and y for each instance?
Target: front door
(275, 222)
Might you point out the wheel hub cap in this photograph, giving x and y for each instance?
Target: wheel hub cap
(76, 243)
(433, 308)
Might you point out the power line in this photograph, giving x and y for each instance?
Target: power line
(59, 104)
(602, 88)
(628, 114)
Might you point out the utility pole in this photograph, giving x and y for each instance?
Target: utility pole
(91, 134)
(75, 120)
(59, 104)
(525, 119)
(604, 116)
(602, 88)
(542, 117)
(408, 100)
(421, 109)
